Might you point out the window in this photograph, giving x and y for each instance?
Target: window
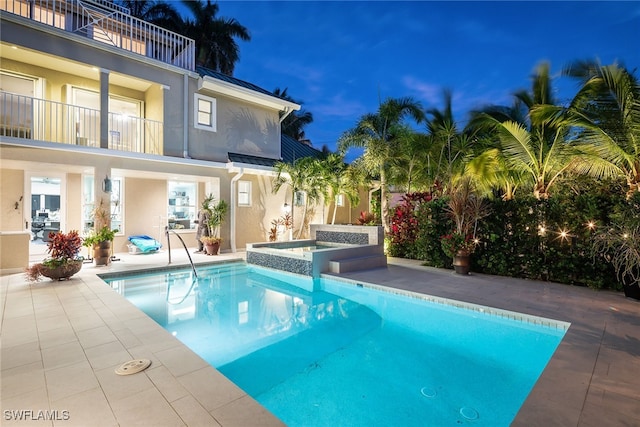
(244, 193)
(299, 199)
(182, 205)
(243, 312)
(340, 200)
(205, 113)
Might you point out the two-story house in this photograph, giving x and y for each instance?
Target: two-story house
(99, 108)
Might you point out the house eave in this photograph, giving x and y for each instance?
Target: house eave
(244, 94)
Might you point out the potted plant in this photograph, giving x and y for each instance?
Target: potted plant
(63, 261)
(214, 217)
(466, 208)
(620, 246)
(101, 243)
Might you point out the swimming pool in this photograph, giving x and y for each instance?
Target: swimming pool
(350, 354)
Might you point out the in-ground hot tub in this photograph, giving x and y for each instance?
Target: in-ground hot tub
(332, 248)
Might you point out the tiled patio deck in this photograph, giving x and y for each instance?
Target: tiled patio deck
(61, 343)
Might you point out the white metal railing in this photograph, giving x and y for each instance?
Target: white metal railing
(38, 119)
(108, 23)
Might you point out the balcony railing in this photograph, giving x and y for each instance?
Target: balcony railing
(110, 24)
(38, 119)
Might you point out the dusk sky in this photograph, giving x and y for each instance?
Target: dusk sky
(341, 58)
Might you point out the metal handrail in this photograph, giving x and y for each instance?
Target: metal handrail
(166, 232)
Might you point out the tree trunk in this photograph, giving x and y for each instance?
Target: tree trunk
(384, 205)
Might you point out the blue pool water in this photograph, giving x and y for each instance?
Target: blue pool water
(349, 354)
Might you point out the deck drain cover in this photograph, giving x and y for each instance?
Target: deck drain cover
(133, 366)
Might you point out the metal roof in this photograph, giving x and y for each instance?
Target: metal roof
(290, 151)
(216, 75)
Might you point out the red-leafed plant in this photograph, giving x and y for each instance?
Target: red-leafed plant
(62, 248)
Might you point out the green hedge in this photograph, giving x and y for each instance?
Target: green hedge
(512, 242)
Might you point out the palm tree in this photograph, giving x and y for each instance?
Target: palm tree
(340, 178)
(160, 13)
(380, 134)
(303, 175)
(293, 125)
(216, 47)
(606, 112)
(531, 147)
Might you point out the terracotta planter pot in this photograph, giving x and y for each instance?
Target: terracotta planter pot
(64, 271)
(462, 263)
(212, 248)
(102, 253)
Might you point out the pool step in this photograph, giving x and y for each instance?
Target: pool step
(358, 263)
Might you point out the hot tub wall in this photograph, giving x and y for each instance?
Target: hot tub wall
(351, 234)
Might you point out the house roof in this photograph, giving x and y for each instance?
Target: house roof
(291, 150)
(216, 75)
(240, 89)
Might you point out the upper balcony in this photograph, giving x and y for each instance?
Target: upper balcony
(108, 23)
(27, 118)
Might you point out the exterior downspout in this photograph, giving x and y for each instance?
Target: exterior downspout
(233, 203)
(185, 118)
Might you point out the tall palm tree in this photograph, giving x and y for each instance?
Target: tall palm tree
(160, 13)
(606, 113)
(379, 134)
(216, 47)
(303, 175)
(341, 179)
(293, 125)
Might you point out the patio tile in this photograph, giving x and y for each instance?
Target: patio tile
(36, 400)
(62, 355)
(166, 383)
(56, 337)
(22, 379)
(146, 408)
(87, 408)
(18, 355)
(193, 414)
(97, 336)
(180, 360)
(107, 355)
(212, 389)
(69, 380)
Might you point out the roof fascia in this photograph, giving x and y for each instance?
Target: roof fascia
(236, 167)
(244, 94)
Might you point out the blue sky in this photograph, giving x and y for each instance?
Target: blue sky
(341, 58)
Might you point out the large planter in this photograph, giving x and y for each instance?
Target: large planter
(462, 262)
(102, 253)
(64, 271)
(212, 248)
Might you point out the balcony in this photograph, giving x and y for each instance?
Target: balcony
(30, 118)
(108, 23)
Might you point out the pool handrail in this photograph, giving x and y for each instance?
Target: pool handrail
(166, 232)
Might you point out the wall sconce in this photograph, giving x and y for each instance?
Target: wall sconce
(286, 208)
(106, 185)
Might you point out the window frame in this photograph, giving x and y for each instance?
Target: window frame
(213, 126)
(248, 194)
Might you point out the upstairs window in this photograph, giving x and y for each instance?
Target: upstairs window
(205, 113)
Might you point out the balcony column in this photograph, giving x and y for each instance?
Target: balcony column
(104, 108)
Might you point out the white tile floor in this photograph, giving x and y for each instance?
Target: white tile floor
(61, 342)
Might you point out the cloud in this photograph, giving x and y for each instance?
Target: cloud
(428, 92)
(338, 106)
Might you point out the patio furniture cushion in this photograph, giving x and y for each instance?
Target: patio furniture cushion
(145, 243)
